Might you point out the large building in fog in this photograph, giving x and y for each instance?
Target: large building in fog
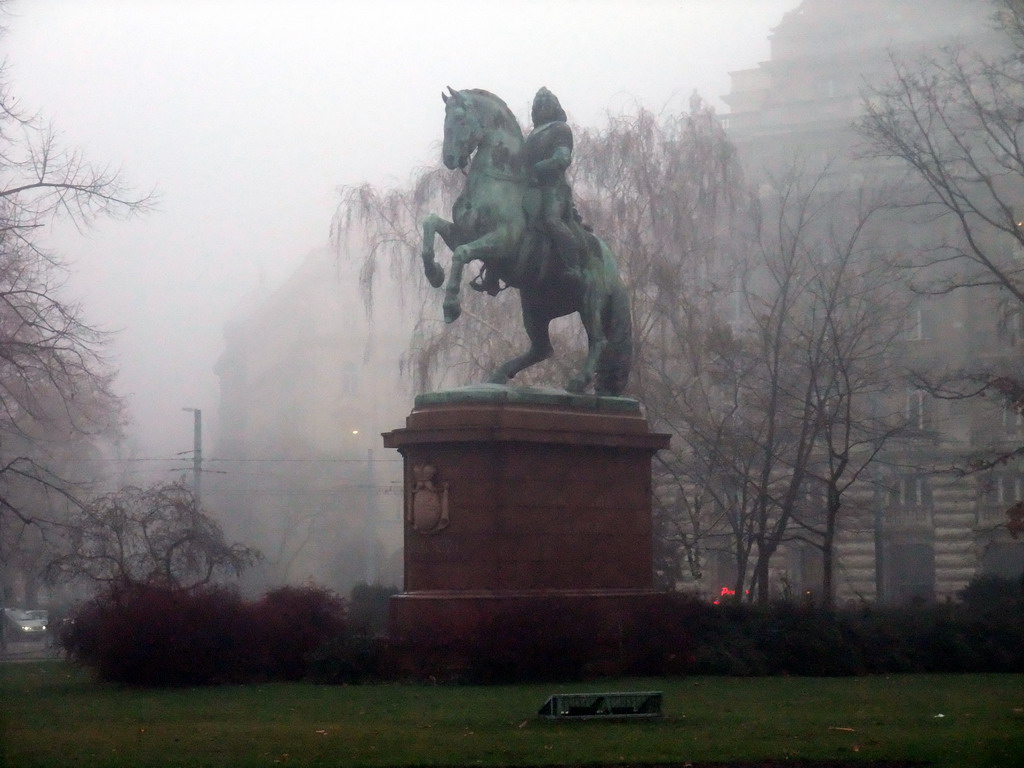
(307, 384)
(914, 531)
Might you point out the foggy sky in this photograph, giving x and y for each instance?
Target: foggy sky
(247, 115)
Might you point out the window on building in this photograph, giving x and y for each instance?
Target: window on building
(911, 491)
(814, 501)
(914, 328)
(1013, 418)
(349, 379)
(916, 411)
(1007, 489)
(1011, 325)
(737, 308)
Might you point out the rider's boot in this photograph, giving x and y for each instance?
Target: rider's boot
(566, 250)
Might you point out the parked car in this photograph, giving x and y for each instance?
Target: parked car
(23, 624)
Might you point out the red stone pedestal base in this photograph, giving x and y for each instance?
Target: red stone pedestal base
(510, 502)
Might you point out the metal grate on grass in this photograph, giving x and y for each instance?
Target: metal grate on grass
(594, 706)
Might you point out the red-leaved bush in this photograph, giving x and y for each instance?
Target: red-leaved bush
(155, 635)
(291, 623)
(162, 636)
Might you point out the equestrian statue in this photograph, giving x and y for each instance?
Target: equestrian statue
(515, 215)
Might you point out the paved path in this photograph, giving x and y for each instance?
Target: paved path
(31, 650)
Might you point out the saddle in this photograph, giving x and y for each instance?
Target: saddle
(536, 261)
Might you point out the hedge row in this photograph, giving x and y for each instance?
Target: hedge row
(159, 636)
(788, 640)
(542, 640)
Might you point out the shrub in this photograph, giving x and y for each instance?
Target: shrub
(803, 640)
(725, 640)
(358, 654)
(161, 636)
(368, 608)
(349, 659)
(989, 596)
(659, 638)
(291, 623)
(882, 637)
(164, 636)
(994, 607)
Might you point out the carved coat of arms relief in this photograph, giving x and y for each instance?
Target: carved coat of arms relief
(428, 502)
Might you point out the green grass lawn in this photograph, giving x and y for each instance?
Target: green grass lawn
(53, 714)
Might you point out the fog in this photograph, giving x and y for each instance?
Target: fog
(245, 117)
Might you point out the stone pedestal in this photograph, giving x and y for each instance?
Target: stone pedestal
(513, 496)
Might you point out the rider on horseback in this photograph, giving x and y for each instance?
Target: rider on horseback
(495, 221)
(548, 154)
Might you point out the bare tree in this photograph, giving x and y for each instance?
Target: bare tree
(796, 396)
(662, 190)
(859, 304)
(382, 229)
(155, 535)
(953, 121)
(55, 385)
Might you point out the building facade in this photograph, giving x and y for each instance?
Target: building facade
(914, 530)
(308, 381)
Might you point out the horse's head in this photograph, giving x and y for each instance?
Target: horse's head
(463, 130)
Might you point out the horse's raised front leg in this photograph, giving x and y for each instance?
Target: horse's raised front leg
(590, 314)
(491, 244)
(540, 347)
(434, 225)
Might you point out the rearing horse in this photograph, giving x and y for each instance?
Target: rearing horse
(490, 223)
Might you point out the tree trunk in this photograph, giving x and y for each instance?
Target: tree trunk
(828, 548)
(764, 556)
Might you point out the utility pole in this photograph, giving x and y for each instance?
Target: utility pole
(372, 566)
(197, 452)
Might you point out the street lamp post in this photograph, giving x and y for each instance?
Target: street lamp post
(197, 452)
(372, 566)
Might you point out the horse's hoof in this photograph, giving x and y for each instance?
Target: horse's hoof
(576, 385)
(452, 310)
(435, 273)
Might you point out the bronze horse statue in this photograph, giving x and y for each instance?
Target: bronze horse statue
(494, 222)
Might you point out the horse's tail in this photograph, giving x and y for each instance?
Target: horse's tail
(612, 373)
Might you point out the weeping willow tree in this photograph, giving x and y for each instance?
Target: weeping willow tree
(382, 229)
(667, 193)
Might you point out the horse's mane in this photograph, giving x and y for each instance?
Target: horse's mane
(509, 121)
